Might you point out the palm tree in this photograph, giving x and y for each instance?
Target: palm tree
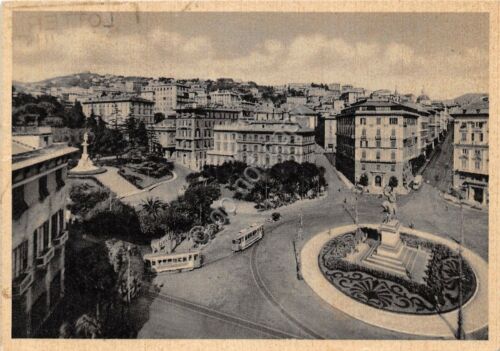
(88, 327)
(152, 206)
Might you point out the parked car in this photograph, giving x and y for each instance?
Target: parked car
(417, 182)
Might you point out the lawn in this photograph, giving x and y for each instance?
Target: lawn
(142, 180)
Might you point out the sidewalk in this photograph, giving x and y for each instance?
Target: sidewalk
(115, 182)
(438, 325)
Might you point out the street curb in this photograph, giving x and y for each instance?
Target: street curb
(475, 311)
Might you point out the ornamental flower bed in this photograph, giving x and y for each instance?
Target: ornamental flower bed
(394, 293)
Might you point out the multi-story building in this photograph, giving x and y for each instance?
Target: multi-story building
(168, 97)
(194, 132)
(470, 151)
(199, 96)
(163, 136)
(262, 143)
(115, 110)
(225, 98)
(330, 133)
(352, 95)
(334, 87)
(296, 100)
(378, 139)
(39, 231)
(304, 116)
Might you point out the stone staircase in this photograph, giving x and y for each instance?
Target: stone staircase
(398, 261)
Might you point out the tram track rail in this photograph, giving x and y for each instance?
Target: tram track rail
(222, 316)
(271, 299)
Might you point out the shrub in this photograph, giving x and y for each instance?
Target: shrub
(275, 216)
(363, 180)
(85, 197)
(393, 182)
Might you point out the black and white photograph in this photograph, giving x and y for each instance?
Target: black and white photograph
(249, 175)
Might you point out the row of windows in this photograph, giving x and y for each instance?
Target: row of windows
(480, 137)
(477, 153)
(363, 143)
(378, 167)
(42, 237)
(188, 122)
(174, 260)
(392, 120)
(272, 148)
(465, 164)
(188, 133)
(465, 125)
(187, 144)
(378, 132)
(378, 154)
(19, 204)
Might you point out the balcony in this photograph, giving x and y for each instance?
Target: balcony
(61, 239)
(22, 283)
(44, 258)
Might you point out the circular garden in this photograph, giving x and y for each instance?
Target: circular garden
(394, 293)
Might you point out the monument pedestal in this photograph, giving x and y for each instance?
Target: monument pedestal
(388, 256)
(85, 165)
(390, 242)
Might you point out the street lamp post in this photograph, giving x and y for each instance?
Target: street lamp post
(460, 317)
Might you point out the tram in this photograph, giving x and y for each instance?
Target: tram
(247, 237)
(159, 262)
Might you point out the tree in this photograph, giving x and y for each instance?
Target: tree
(158, 117)
(91, 280)
(393, 182)
(152, 206)
(363, 180)
(76, 118)
(141, 135)
(88, 327)
(131, 129)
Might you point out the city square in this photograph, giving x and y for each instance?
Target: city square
(218, 188)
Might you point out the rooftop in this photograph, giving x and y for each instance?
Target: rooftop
(117, 98)
(475, 108)
(25, 157)
(264, 126)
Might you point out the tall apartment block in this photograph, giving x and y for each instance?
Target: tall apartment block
(39, 231)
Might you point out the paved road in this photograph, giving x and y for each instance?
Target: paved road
(235, 320)
(260, 285)
(166, 191)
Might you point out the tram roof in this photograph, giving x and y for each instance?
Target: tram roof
(249, 229)
(153, 255)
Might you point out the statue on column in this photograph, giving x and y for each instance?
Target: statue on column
(85, 165)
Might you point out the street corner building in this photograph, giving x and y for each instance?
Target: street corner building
(470, 152)
(39, 230)
(383, 142)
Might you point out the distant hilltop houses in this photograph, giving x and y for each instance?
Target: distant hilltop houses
(373, 137)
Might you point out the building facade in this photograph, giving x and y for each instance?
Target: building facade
(117, 109)
(262, 143)
(330, 133)
(39, 230)
(470, 151)
(225, 98)
(378, 140)
(163, 136)
(195, 132)
(168, 96)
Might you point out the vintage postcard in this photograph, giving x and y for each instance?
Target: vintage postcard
(237, 175)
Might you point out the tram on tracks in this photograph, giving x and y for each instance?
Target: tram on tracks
(247, 237)
(159, 262)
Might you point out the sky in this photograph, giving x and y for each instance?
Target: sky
(444, 54)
